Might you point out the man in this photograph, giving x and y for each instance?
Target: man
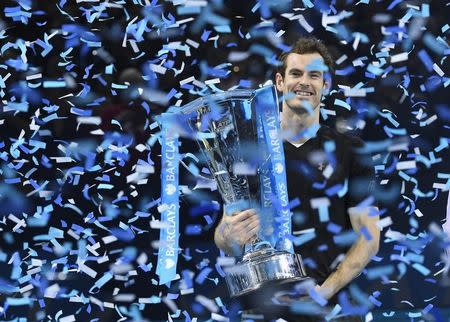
(323, 171)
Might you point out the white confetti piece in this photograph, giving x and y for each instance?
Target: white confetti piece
(89, 271)
(187, 80)
(158, 69)
(141, 147)
(145, 168)
(149, 300)
(384, 222)
(26, 288)
(97, 132)
(404, 165)
(236, 56)
(280, 33)
(192, 43)
(399, 57)
(94, 120)
(51, 291)
(305, 24)
(35, 76)
(62, 159)
(125, 297)
(218, 317)
(19, 222)
(355, 92)
(187, 291)
(109, 305)
(212, 81)
(34, 271)
(418, 213)
(69, 318)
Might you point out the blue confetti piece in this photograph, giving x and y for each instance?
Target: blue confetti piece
(100, 283)
(369, 201)
(12, 180)
(208, 219)
(427, 308)
(334, 228)
(317, 297)
(245, 83)
(203, 275)
(205, 35)
(346, 238)
(393, 4)
(421, 269)
(16, 106)
(193, 230)
(54, 84)
(374, 301)
(121, 234)
(433, 44)
(308, 4)
(426, 59)
(219, 270)
(414, 314)
(380, 271)
(375, 70)
(223, 29)
(304, 238)
(366, 233)
(18, 301)
(342, 103)
(261, 50)
(345, 71)
(294, 203)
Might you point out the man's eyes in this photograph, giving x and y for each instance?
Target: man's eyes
(298, 74)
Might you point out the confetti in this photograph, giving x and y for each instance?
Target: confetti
(81, 159)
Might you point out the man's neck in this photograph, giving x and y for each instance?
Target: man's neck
(295, 123)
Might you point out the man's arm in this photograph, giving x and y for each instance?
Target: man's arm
(358, 256)
(234, 231)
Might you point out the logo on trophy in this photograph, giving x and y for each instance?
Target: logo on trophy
(241, 127)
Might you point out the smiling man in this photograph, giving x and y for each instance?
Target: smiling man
(327, 174)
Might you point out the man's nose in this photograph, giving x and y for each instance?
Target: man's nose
(304, 80)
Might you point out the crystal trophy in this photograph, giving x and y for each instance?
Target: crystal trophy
(238, 134)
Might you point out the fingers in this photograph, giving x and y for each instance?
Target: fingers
(253, 233)
(248, 230)
(241, 227)
(247, 224)
(243, 218)
(240, 216)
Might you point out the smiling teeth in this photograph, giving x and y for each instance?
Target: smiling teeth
(302, 93)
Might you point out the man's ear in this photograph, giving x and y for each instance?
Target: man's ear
(279, 82)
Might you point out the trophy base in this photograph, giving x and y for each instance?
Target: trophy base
(259, 269)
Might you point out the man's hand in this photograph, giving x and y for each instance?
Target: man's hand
(359, 255)
(234, 231)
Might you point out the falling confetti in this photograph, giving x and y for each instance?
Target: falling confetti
(81, 86)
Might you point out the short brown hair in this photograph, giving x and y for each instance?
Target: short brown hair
(307, 45)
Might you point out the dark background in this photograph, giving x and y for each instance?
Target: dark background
(252, 31)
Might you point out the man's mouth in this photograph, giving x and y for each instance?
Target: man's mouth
(303, 93)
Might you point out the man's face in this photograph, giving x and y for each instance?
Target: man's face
(303, 82)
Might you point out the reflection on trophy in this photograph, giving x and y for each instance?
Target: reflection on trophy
(238, 133)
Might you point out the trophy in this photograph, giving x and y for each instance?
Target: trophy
(238, 134)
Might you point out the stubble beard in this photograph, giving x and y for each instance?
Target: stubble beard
(300, 110)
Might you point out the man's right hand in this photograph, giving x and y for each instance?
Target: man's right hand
(234, 231)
